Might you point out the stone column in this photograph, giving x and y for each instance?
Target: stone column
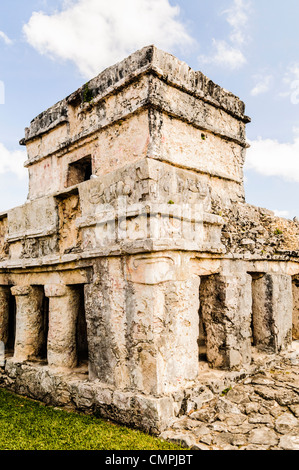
(105, 304)
(4, 313)
(225, 303)
(63, 313)
(162, 323)
(272, 311)
(29, 322)
(296, 309)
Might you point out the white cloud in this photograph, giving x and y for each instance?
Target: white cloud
(292, 73)
(291, 79)
(263, 84)
(284, 214)
(13, 162)
(225, 55)
(272, 158)
(237, 17)
(95, 33)
(13, 178)
(5, 38)
(228, 53)
(296, 131)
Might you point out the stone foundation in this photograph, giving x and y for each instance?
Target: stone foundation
(72, 390)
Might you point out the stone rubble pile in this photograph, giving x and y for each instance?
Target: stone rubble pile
(261, 412)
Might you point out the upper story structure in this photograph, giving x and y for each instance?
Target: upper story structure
(126, 114)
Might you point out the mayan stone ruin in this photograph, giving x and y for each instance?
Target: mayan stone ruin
(136, 272)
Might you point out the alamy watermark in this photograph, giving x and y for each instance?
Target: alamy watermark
(2, 92)
(125, 222)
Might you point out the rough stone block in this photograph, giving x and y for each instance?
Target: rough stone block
(225, 302)
(272, 311)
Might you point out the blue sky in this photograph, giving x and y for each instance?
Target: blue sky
(49, 48)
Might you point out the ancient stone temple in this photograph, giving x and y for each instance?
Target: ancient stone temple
(135, 259)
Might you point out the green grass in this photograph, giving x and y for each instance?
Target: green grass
(29, 425)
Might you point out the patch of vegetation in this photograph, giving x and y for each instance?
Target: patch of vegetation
(170, 202)
(30, 425)
(278, 232)
(225, 392)
(87, 94)
(274, 371)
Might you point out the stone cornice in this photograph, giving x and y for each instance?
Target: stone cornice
(148, 60)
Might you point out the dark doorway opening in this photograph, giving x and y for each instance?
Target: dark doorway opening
(10, 345)
(202, 339)
(43, 353)
(81, 329)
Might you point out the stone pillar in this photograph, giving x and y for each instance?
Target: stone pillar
(162, 324)
(163, 331)
(63, 313)
(29, 322)
(225, 303)
(296, 309)
(272, 311)
(4, 313)
(105, 307)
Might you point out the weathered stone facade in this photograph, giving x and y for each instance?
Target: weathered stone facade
(136, 258)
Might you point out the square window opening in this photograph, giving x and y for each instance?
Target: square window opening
(79, 171)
